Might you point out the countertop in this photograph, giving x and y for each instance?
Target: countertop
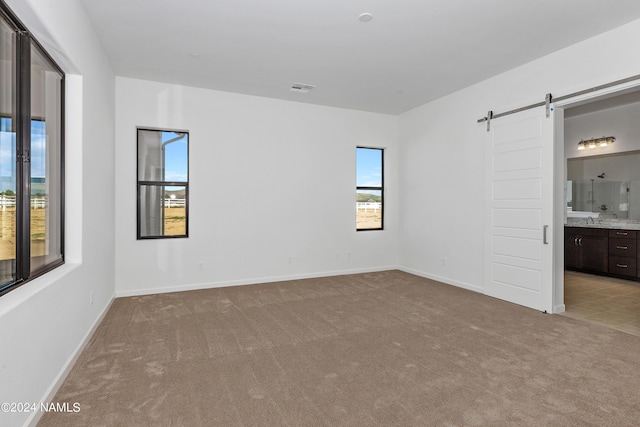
(615, 224)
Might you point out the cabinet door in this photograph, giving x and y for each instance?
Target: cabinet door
(595, 253)
(571, 251)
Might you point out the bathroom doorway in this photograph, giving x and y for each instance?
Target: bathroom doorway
(602, 191)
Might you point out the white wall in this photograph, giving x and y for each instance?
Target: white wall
(441, 152)
(272, 189)
(45, 321)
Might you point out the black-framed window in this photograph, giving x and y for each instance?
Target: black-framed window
(369, 188)
(31, 156)
(163, 183)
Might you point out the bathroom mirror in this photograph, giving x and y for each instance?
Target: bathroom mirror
(608, 186)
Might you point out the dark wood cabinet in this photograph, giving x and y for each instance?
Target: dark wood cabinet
(638, 259)
(586, 249)
(603, 251)
(572, 258)
(623, 253)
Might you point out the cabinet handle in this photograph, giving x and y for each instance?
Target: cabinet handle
(580, 241)
(544, 234)
(622, 265)
(622, 247)
(620, 233)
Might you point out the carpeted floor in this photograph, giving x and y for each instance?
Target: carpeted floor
(377, 349)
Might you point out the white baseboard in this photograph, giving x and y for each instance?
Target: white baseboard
(252, 281)
(55, 386)
(445, 280)
(560, 308)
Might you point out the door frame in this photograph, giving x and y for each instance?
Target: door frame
(560, 178)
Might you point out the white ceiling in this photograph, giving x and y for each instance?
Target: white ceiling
(412, 52)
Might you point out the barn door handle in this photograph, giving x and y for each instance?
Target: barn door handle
(544, 234)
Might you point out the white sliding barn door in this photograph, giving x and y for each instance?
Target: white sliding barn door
(519, 179)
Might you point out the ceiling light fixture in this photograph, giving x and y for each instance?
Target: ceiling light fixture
(365, 17)
(596, 142)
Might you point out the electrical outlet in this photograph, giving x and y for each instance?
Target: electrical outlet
(444, 262)
(201, 266)
(91, 298)
(290, 260)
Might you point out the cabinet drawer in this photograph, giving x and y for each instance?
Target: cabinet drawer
(623, 266)
(623, 234)
(622, 247)
(584, 231)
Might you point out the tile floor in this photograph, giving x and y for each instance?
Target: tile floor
(605, 300)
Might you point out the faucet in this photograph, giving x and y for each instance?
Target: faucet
(589, 218)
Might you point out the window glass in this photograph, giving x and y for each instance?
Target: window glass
(7, 155)
(369, 188)
(46, 156)
(163, 176)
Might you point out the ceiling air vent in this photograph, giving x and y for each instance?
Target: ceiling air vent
(301, 88)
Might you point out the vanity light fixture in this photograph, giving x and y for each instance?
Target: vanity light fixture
(596, 142)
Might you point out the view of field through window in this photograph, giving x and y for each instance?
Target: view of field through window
(162, 183)
(369, 188)
(39, 195)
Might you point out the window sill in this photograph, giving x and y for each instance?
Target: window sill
(18, 296)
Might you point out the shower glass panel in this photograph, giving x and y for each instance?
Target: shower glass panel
(608, 198)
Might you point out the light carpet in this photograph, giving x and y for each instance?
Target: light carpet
(377, 349)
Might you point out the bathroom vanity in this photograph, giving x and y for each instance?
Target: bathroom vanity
(607, 248)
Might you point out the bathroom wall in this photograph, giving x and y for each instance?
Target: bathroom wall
(619, 161)
(621, 122)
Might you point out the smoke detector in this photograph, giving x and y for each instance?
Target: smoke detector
(301, 88)
(365, 17)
